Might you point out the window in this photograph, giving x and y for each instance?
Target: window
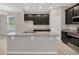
(11, 24)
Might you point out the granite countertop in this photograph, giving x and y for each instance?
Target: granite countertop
(69, 30)
(32, 34)
(73, 33)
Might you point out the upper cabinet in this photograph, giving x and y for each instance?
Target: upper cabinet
(38, 19)
(76, 10)
(69, 14)
(28, 17)
(72, 15)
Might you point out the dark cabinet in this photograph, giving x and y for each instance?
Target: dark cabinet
(38, 19)
(74, 41)
(69, 39)
(68, 16)
(28, 17)
(41, 19)
(76, 10)
(72, 15)
(64, 37)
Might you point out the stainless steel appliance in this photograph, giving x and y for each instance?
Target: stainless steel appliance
(75, 19)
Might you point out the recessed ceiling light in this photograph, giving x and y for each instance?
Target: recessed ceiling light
(50, 7)
(40, 7)
(26, 7)
(5, 13)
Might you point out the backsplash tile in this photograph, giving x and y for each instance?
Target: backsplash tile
(73, 27)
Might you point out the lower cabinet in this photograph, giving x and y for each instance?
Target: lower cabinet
(74, 41)
(69, 39)
(64, 37)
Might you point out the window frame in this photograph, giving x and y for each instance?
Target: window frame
(8, 29)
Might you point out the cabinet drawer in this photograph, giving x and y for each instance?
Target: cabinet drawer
(74, 41)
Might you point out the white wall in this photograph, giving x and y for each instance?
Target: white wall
(19, 20)
(19, 16)
(3, 42)
(3, 24)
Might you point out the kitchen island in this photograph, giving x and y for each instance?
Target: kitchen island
(31, 43)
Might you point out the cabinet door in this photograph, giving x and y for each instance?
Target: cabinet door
(37, 20)
(64, 37)
(28, 17)
(74, 41)
(68, 14)
(76, 10)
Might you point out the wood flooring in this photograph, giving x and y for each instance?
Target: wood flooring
(64, 49)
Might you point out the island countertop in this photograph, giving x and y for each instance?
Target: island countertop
(32, 34)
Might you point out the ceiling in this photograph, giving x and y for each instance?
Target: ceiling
(33, 7)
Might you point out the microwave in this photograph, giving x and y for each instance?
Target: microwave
(75, 20)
